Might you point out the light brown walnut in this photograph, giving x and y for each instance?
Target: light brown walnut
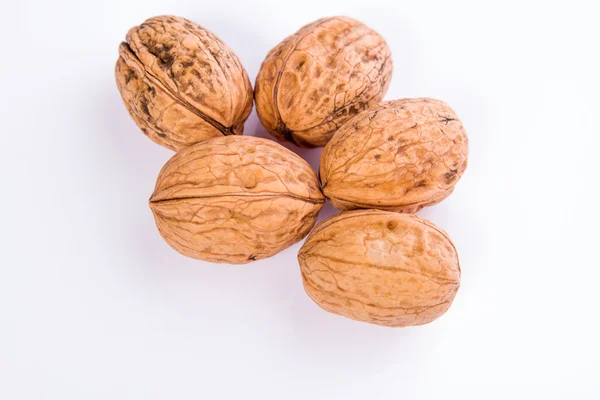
(316, 79)
(235, 199)
(181, 84)
(380, 267)
(399, 155)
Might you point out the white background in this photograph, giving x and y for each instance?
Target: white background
(94, 305)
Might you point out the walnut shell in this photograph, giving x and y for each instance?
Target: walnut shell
(181, 84)
(235, 199)
(400, 155)
(316, 79)
(380, 267)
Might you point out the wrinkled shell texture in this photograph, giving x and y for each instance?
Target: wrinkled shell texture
(181, 84)
(319, 77)
(235, 199)
(400, 155)
(380, 267)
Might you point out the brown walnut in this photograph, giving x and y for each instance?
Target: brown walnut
(380, 267)
(181, 84)
(316, 79)
(235, 199)
(399, 155)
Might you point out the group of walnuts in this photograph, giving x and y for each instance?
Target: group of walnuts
(235, 199)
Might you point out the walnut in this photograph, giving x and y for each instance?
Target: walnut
(235, 199)
(319, 77)
(181, 84)
(380, 267)
(400, 155)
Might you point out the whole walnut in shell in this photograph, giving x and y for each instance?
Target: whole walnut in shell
(400, 155)
(235, 199)
(181, 84)
(316, 79)
(380, 267)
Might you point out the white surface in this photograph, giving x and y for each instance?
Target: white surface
(94, 305)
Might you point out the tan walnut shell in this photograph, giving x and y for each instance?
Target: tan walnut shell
(380, 267)
(316, 79)
(235, 199)
(400, 155)
(181, 84)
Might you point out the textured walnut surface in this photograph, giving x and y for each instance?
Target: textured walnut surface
(181, 84)
(380, 267)
(316, 79)
(235, 199)
(400, 155)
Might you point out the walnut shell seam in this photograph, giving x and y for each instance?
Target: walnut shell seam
(225, 130)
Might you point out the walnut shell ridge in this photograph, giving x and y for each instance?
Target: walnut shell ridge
(181, 84)
(317, 78)
(380, 267)
(235, 199)
(400, 155)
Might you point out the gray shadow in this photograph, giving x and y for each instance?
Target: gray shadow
(331, 340)
(133, 162)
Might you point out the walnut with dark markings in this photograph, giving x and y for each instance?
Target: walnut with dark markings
(399, 155)
(319, 77)
(181, 84)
